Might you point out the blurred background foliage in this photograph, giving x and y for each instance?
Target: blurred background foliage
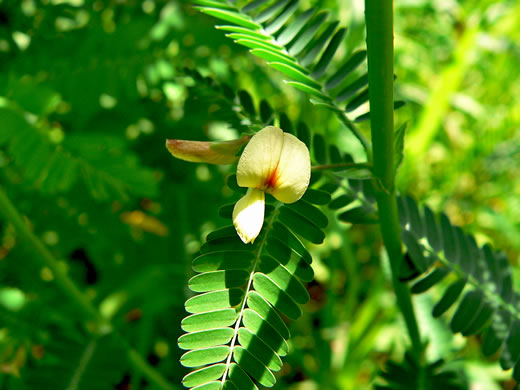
(90, 90)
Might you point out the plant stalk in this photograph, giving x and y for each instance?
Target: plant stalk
(346, 165)
(148, 371)
(9, 212)
(69, 288)
(352, 127)
(380, 49)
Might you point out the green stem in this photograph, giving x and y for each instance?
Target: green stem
(9, 212)
(69, 288)
(342, 165)
(380, 49)
(352, 127)
(145, 332)
(151, 374)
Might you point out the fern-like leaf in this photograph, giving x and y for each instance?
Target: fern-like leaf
(236, 332)
(51, 168)
(482, 285)
(302, 47)
(411, 375)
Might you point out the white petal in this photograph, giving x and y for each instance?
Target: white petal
(248, 215)
(293, 171)
(260, 158)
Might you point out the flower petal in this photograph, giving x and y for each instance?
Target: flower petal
(260, 158)
(293, 171)
(217, 152)
(248, 215)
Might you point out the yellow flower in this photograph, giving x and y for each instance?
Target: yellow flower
(274, 162)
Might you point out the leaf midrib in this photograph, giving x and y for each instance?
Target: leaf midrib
(249, 284)
(471, 279)
(84, 360)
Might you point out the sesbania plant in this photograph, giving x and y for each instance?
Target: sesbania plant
(251, 274)
(237, 264)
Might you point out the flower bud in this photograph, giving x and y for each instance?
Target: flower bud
(217, 152)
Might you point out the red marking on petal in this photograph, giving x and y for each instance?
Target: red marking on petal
(272, 179)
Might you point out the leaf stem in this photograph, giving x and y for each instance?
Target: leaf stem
(148, 371)
(342, 165)
(69, 288)
(9, 212)
(352, 127)
(379, 20)
(488, 291)
(244, 302)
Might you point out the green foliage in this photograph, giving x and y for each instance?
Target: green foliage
(409, 374)
(302, 47)
(482, 277)
(99, 225)
(106, 169)
(235, 330)
(244, 290)
(78, 362)
(439, 249)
